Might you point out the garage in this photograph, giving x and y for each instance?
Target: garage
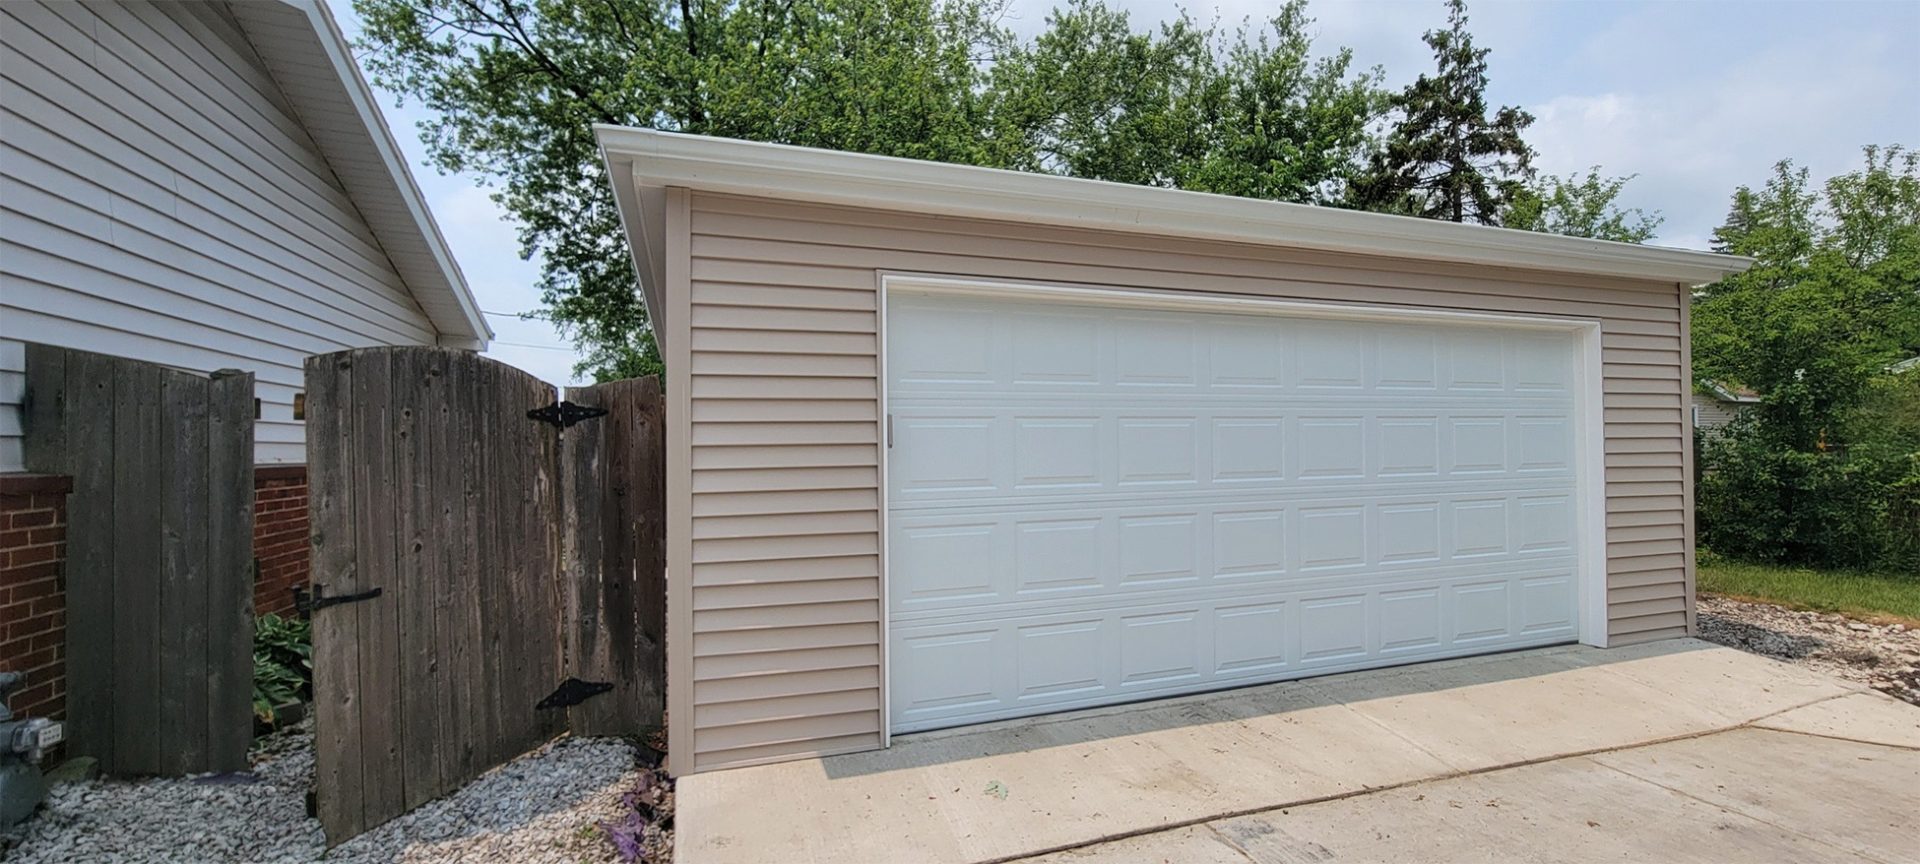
(1096, 497)
(950, 445)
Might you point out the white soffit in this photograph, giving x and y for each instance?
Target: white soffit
(666, 159)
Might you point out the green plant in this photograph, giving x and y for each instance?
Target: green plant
(1763, 503)
(282, 664)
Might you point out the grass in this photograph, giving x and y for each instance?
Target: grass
(1872, 596)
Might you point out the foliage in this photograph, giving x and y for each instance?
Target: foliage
(1833, 297)
(1855, 593)
(1446, 157)
(515, 87)
(282, 664)
(640, 831)
(1764, 503)
(1580, 207)
(1251, 113)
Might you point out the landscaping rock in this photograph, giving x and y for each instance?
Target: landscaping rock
(544, 807)
(1885, 656)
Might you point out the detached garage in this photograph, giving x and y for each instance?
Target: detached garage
(949, 445)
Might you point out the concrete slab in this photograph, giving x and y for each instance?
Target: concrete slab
(1875, 718)
(1568, 810)
(1027, 787)
(1685, 669)
(1860, 797)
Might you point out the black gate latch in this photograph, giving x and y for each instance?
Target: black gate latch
(573, 691)
(307, 603)
(564, 413)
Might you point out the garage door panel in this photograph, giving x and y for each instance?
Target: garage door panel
(955, 673)
(980, 556)
(1090, 504)
(951, 455)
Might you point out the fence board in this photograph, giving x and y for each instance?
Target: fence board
(182, 491)
(615, 470)
(160, 529)
(136, 551)
(416, 390)
(229, 437)
(374, 541)
(336, 631)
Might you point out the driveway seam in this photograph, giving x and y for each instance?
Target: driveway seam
(1904, 747)
(1341, 796)
(1740, 812)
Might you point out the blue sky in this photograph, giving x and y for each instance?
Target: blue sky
(1693, 96)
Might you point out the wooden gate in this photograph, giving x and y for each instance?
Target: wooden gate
(159, 615)
(448, 589)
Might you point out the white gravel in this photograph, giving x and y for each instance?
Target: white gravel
(1882, 655)
(543, 807)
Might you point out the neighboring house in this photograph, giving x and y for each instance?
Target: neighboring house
(1715, 404)
(203, 185)
(948, 445)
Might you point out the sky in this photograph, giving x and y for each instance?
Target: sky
(1694, 97)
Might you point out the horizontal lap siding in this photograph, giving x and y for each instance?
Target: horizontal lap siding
(161, 201)
(785, 454)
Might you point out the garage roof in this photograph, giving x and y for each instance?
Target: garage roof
(641, 162)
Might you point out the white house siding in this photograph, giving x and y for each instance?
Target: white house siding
(1712, 413)
(160, 200)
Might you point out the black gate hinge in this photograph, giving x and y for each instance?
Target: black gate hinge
(306, 603)
(563, 413)
(573, 691)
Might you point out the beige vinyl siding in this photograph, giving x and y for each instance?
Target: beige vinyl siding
(782, 454)
(160, 200)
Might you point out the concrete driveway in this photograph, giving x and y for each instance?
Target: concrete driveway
(1678, 751)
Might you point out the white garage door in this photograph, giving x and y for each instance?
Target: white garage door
(1092, 503)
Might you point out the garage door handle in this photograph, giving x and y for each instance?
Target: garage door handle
(889, 431)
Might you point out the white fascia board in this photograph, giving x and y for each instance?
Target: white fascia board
(355, 88)
(854, 179)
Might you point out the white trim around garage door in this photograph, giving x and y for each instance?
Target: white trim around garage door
(1591, 456)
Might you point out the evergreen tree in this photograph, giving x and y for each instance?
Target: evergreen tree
(1446, 157)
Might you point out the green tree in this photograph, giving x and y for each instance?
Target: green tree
(1447, 157)
(1580, 207)
(1280, 123)
(1833, 297)
(1826, 470)
(515, 86)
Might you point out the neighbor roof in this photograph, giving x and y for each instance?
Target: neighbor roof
(643, 161)
(309, 58)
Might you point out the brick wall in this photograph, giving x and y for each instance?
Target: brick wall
(279, 536)
(33, 552)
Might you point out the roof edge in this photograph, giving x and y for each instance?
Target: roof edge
(855, 179)
(357, 91)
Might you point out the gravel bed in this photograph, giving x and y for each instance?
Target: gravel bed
(543, 807)
(1883, 656)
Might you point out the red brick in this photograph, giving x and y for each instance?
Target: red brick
(31, 555)
(28, 573)
(29, 518)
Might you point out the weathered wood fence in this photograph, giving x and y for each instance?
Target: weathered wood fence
(160, 532)
(468, 558)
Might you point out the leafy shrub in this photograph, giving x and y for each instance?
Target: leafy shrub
(1764, 503)
(282, 664)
